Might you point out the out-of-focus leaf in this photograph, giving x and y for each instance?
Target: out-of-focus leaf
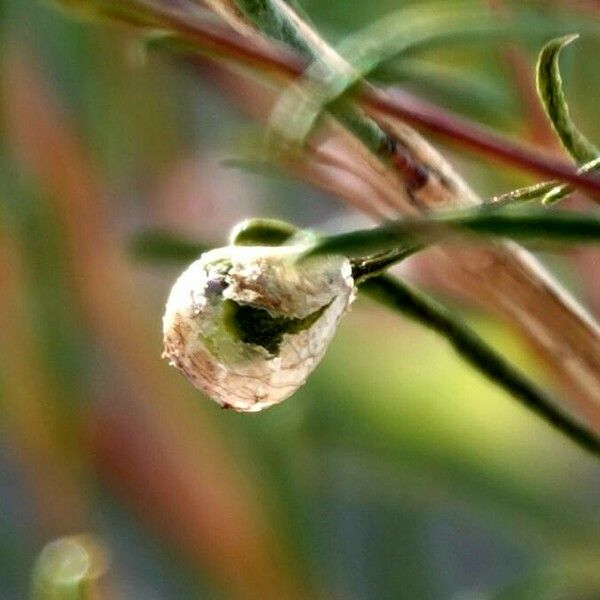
(135, 12)
(411, 28)
(429, 24)
(164, 247)
(550, 89)
(301, 104)
(68, 568)
(440, 425)
(565, 581)
(448, 83)
(194, 491)
(565, 226)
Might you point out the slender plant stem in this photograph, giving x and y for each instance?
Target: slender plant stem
(220, 40)
(372, 266)
(475, 137)
(540, 225)
(399, 296)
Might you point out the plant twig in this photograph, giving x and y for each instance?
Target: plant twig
(539, 225)
(218, 40)
(399, 296)
(474, 137)
(503, 277)
(550, 192)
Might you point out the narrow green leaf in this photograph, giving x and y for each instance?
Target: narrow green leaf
(266, 16)
(405, 30)
(550, 192)
(540, 225)
(550, 90)
(164, 247)
(401, 297)
(134, 12)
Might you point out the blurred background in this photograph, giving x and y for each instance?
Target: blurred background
(396, 472)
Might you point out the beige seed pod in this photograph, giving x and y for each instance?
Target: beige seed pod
(248, 324)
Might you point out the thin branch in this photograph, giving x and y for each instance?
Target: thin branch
(539, 225)
(280, 61)
(399, 296)
(474, 137)
(503, 277)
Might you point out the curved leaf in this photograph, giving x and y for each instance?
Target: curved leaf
(550, 90)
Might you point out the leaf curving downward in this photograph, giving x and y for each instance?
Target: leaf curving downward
(550, 90)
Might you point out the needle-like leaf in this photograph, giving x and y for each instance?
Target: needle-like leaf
(160, 246)
(538, 225)
(406, 30)
(550, 90)
(403, 298)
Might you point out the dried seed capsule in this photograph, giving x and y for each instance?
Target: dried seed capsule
(248, 324)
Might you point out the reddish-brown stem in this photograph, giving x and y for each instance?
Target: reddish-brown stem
(431, 117)
(395, 103)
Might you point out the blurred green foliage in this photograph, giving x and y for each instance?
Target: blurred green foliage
(395, 473)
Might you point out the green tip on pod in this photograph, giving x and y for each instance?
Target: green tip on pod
(262, 232)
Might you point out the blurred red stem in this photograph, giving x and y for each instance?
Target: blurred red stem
(395, 103)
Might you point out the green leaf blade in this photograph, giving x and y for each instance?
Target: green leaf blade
(164, 247)
(399, 296)
(550, 90)
(538, 225)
